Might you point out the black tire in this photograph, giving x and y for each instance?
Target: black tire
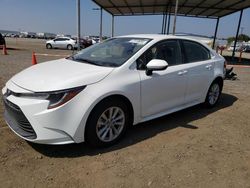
(213, 93)
(69, 47)
(48, 46)
(91, 135)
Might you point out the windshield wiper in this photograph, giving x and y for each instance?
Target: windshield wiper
(109, 64)
(86, 61)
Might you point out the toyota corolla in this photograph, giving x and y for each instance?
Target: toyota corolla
(96, 94)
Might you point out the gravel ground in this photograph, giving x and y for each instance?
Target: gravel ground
(196, 147)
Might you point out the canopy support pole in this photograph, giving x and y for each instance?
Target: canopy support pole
(165, 24)
(175, 16)
(163, 21)
(169, 20)
(236, 37)
(215, 33)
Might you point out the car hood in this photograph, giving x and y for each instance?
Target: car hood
(59, 74)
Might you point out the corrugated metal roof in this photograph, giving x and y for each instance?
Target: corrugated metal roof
(197, 8)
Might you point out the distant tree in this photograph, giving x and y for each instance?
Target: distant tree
(242, 37)
(230, 40)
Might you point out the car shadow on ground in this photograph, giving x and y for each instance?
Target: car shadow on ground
(140, 132)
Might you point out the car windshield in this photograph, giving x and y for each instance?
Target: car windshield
(112, 52)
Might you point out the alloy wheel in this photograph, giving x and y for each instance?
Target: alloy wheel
(110, 124)
(214, 93)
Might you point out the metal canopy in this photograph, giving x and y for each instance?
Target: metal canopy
(194, 8)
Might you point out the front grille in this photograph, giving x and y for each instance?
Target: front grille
(17, 120)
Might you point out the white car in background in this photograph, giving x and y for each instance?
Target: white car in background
(237, 48)
(96, 94)
(62, 43)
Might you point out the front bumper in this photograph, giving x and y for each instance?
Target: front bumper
(17, 120)
(30, 119)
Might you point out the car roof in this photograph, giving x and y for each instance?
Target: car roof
(63, 37)
(159, 37)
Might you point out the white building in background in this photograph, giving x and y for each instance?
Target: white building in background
(63, 35)
(28, 34)
(45, 35)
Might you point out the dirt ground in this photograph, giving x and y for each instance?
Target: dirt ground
(196, 147)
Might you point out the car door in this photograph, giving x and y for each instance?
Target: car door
(62, 43)
(200, 67)
(163, 90)
(57, 43)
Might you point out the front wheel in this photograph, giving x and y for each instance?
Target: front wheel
(70, 47)
(213, 94)
(107, 123)
(48, 46)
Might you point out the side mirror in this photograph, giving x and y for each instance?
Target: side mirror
(155, 65)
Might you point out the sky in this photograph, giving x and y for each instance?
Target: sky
(59, 16)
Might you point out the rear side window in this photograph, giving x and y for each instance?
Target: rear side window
(195, 52)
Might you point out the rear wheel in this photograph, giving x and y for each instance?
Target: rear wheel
(107, 123)
(70, 47)
(48, 46)
(213, 94)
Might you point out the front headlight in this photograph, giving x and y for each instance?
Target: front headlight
(56, 98)
(60, 98)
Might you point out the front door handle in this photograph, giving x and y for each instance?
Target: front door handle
(209, 67)
(182, 72)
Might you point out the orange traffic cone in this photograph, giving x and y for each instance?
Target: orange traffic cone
(4, 50)
(34, 58)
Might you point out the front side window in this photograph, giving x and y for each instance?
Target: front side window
(58, 39)
(195, 52)
(113, 52)
(169, 50)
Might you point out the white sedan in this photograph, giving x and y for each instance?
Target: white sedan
(62, 42)
(95, 95)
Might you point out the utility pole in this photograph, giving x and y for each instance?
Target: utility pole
(100, 34)
(241, 30)
(112, 26)
(101, 27)
(78, 24)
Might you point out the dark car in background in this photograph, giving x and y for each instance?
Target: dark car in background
(2, 40)
(84, 43)
(246, 49)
